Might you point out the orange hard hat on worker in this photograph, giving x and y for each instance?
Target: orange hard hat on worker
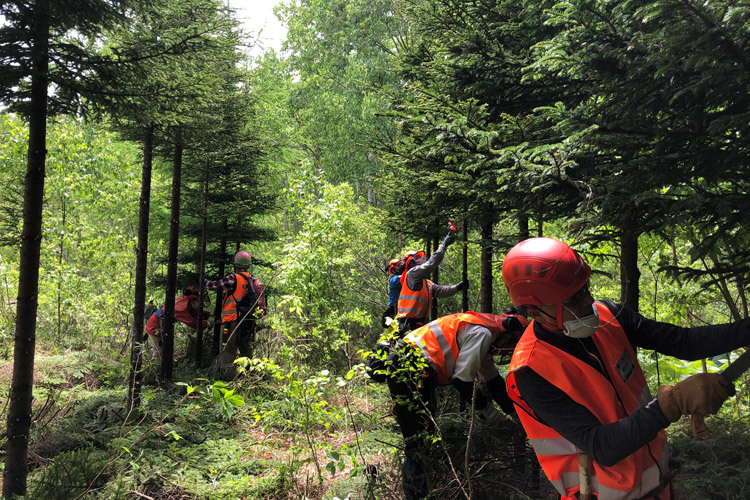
(413, 257)
(395, 266)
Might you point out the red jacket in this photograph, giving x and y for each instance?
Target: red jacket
(186, 311)
(153, 325)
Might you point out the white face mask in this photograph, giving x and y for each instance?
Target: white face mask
(581, 328)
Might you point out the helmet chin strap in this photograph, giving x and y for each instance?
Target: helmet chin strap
(557, 318)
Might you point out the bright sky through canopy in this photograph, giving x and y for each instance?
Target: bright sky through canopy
(257, 16)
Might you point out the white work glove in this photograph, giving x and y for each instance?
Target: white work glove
(492, 416)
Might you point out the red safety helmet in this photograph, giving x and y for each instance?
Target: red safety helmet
(540, 271)
(411, 257)
(395, 266)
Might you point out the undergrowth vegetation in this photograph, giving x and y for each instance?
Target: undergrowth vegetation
(279, 433)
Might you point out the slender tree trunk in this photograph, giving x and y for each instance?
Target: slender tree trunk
(167, 357)
(465, 266)
(723, 286)
(220, 293)
(19, 411)
(436, 279)
(743, 298)
(141, 265)
(629, 272)
(59, 263)
(485, 285)
(202, 274)
(523, 227)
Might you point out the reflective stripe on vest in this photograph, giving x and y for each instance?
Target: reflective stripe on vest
(229, 307)
(608, 399)
(414, 303)
(438, 340)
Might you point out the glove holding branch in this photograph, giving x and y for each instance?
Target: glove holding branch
(699, 394)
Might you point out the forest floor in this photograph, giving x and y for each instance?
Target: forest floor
(84, 445)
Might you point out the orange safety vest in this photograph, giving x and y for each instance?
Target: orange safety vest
(438, 340)
(414, 303)
(229, 308)
(633, 476)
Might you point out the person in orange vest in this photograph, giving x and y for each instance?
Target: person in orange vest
(578, 387)
(244, 303)
(452, 350)
(415, 299)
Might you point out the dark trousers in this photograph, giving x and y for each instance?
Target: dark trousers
(408, 324)
(243, 339)
(412, 386)
(414, 404)
(388, 313)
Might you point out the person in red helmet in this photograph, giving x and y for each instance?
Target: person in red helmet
(244, 303)
(417, 291)
(452, 350)
(578, 387)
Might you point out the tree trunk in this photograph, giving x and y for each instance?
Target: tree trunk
(629, 272)
(19, 411)
(167, 356)
(59, 263)
(723, 286)
(202, 274)
(465, 267)
(220, 293)
(141, 266)
(485, 285)
(741, 287)
(523, 227)
(435, 279)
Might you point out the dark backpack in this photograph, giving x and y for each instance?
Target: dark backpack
(150, 309)
(250, 299)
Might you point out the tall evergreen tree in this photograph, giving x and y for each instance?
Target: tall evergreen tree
(186, 48)
(664, 103)
(466, 116)
(52, 51)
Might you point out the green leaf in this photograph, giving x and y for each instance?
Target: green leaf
(331, 468)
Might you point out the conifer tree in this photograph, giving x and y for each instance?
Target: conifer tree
(53, 51)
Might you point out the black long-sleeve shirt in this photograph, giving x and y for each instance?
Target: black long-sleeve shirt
(610, 443)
